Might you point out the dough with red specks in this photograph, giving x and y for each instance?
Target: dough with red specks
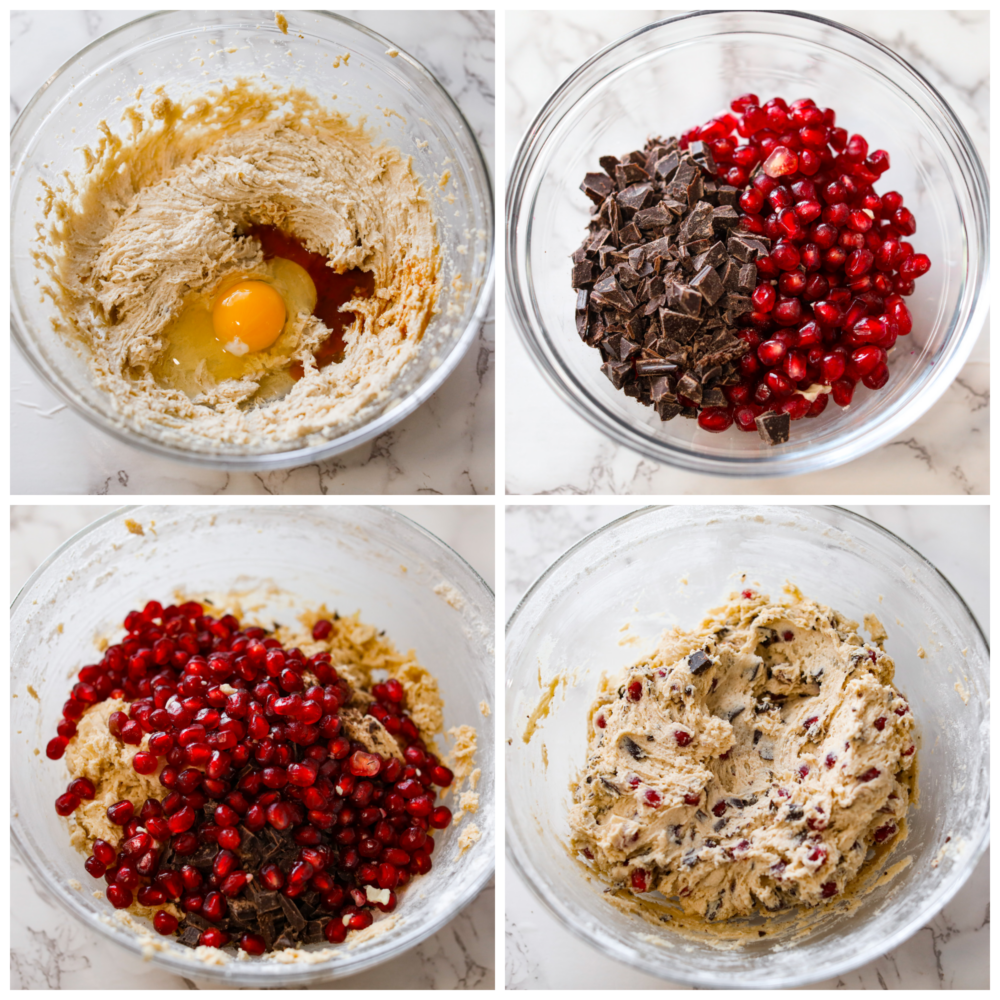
(748, 765)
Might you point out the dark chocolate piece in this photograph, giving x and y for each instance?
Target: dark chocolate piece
(708, 284)
(597, 187)
(773, 428)
(583, 274)
(746, 280)
(699, 661)
(190, 936)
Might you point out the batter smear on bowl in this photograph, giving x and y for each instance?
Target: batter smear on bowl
(259, 789)
(753, 764)
(247, 268)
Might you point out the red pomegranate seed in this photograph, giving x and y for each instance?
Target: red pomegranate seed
(715, 419)
(165, 923)
(120, 812)
(213, 938)
(870, 775)
(682, 738)
(780, 162)
(94, 867)
(364, 764)
(214, 908)
(82, 788)
(639, 879)
(56, 747)
(119, 897)
(144, 763)
(440, 818)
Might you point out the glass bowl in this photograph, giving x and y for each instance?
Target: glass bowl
(349, 557)
(664, 566)
(176, 50)
(628, 92)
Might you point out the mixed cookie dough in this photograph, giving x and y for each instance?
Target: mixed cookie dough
(749, 765)
(161, 222)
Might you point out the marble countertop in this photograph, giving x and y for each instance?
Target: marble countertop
(950, 952)
(446, 446)
(51, 950)
(552, 450)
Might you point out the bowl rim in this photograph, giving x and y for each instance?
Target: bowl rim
(242, 973)
(289, 458)
(852, 443)
(531, 877)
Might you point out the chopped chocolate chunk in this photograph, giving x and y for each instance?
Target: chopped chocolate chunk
(583, 274)
(597, 187)
(285, 940)
(724, 218)
(699, 661)
(698, 224)
(655, 366)
(190, 936)
(713, 256)
(291, 913)
(708, 283)
(773, 428)
(627, 174)
(741, 248)
(690, 387)
(702, 154)
(242, 911)
(618, 372)
(727, 195)
(747, 279)
(313, 933)
(608, 164)
(203, 856)
(633, 748)
(637, 196)
(714, 397)
(630, 234)
(677, 325)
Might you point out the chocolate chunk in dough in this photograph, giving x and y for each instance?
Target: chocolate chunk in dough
(699, 661)
(773, 428)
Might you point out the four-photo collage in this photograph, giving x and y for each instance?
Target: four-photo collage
(499, 499)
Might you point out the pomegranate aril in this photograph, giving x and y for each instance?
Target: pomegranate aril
(165, 923)
(120, 812)
(715, 419)
(119, 897)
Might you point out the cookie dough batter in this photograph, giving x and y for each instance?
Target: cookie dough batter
(751, 764)
(156, 224)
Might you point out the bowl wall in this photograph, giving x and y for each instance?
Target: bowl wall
(668, 77)
(350, 558)
(187, 52)
(665, 566)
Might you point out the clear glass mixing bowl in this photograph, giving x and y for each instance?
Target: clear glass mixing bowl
(176, 49)
(664, 566)
(664, 79)
(351, 558)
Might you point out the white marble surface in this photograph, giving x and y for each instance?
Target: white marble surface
(446, 446)
(950, 952)
(51, 950)
(550, 449)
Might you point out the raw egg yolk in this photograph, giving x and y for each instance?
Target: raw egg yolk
(248, 316)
